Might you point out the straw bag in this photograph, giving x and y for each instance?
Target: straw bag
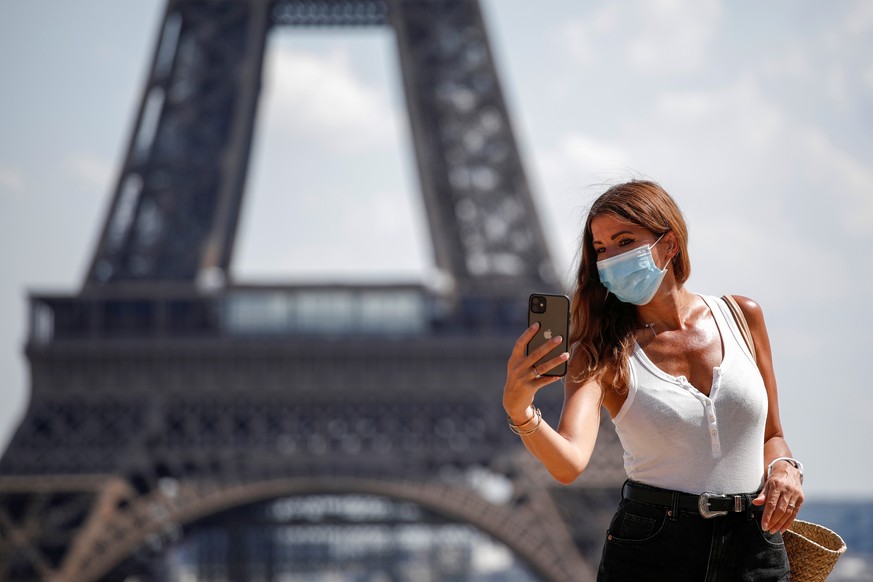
(813, 550)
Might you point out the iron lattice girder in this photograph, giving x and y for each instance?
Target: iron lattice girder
(125, 527)
(174, 213)
(330, 13)
(39, 520)
(103, 400)
(483, 222)
(175, 208)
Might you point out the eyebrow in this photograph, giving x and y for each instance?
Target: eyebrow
(615, 236)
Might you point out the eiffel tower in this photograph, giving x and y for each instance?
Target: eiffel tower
(179, 418)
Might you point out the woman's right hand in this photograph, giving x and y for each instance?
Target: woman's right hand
(523, 379)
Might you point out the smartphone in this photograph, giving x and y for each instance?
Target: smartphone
(553, 314)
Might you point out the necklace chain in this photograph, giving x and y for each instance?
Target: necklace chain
(651, 327)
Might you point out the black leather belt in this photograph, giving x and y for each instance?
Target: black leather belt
(708, 505)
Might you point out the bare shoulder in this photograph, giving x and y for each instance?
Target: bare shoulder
(751, 309)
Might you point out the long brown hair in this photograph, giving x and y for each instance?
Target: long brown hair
(603, 328)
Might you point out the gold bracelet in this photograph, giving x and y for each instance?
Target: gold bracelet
(524, 424)
(520, 430)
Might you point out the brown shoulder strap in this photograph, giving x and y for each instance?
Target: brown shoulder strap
(740, 318)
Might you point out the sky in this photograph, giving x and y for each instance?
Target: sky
(756, 116)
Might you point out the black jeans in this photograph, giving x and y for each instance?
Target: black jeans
(644, 543)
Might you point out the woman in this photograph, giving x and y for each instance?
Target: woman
(695, 413)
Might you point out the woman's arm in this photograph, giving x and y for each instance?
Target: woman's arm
(565, 452)
(782, 492)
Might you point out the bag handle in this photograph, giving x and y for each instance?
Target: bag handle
(740, 318)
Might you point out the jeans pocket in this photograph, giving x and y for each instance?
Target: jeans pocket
(633, 524)
(636, 527)
(774, 540)
(771, 539)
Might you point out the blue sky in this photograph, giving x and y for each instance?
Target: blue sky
(757, 117)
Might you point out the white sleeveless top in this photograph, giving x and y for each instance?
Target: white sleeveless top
(676, 437)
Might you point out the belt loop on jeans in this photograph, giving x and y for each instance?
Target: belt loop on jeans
(674, 507)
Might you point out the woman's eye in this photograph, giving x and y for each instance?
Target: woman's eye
(625, 241)
(600, 251)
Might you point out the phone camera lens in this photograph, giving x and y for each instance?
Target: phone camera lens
(538, 304)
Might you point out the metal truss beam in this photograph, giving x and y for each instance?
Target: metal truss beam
(174, 212)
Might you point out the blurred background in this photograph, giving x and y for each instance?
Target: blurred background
(756, 117)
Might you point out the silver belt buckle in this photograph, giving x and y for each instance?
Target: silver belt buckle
(703, 505)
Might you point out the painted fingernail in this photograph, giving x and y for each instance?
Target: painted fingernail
(565, 356)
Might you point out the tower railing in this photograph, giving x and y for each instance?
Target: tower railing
(262, 312)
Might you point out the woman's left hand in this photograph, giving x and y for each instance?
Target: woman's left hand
(783, 496)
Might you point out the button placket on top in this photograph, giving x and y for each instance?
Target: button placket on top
(706, 401)
(708, 406)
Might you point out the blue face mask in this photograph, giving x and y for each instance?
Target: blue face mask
(632, 276)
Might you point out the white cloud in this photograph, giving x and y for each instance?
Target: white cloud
(319, 97)
(841, 178)
(589, 152)
(663, 36)
(761, 251)
(580, 37)
(793, 61)
(867, 76)
(686, 105)
(733, 115)
(91, 168)
(11, 180)
(380, 238)
(675, 35)
(837, 87)
(859, 20)
(575, 38)
(867, 270)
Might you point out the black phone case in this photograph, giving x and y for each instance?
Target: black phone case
(555, 320)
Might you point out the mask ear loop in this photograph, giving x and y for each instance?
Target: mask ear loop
(670, 260)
